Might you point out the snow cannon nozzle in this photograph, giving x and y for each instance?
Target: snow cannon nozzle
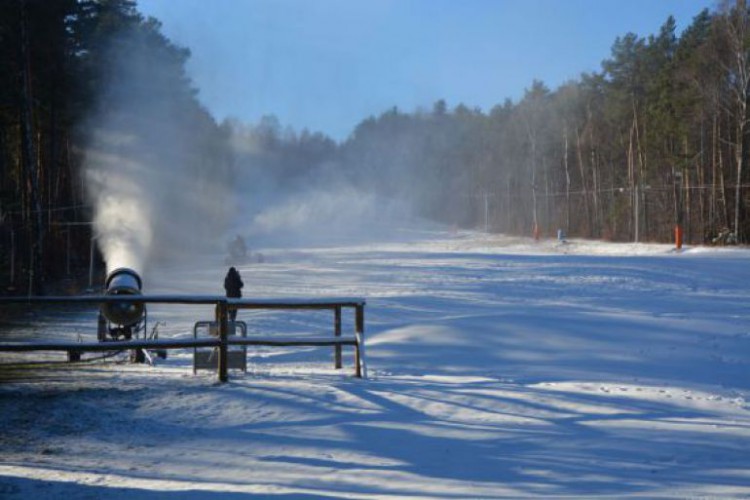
(118, 273)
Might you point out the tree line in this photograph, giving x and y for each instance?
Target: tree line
(659, 136)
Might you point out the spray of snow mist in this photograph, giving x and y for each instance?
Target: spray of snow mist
(150, 163)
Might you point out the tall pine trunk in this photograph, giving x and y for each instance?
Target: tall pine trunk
(584, 188)
(29, 160)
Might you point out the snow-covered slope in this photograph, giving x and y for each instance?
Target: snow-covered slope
(499, 367)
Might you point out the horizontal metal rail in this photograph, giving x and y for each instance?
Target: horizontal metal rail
(121, 345)
(294, 341)
(280, 303)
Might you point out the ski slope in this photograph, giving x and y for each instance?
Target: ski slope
(499, 368)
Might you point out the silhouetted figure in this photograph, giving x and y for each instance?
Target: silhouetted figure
(233, 285)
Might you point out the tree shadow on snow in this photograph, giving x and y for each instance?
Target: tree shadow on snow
(18, 487)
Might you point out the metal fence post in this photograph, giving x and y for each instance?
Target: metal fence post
(223, 365)
(337, 333)
(361, 367)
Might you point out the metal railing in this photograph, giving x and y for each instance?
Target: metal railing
(222, 306)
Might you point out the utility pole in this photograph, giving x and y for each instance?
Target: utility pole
(91, 261)
(12, 256)
(678, 210)
(637, 214)
(486, 213)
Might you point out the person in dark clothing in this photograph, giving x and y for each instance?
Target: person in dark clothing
(233, 285)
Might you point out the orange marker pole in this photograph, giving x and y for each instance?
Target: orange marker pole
(678, 236)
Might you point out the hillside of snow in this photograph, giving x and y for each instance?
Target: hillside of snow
(498, 367)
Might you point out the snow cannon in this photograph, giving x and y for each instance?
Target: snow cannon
(125, 318)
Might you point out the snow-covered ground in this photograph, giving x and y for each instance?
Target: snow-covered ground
(499, 367)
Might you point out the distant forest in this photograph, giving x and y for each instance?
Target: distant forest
(659, 137)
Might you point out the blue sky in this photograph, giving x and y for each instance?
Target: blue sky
(326, 65)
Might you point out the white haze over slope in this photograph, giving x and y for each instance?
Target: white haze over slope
(320, 216)
(277, 205)
(499, 368)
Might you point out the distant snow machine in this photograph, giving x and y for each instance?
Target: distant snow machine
(237, 250)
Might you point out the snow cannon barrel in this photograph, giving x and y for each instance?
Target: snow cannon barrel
(123, 281)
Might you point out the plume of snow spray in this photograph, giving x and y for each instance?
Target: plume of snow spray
(121, 210)
(149, 149)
